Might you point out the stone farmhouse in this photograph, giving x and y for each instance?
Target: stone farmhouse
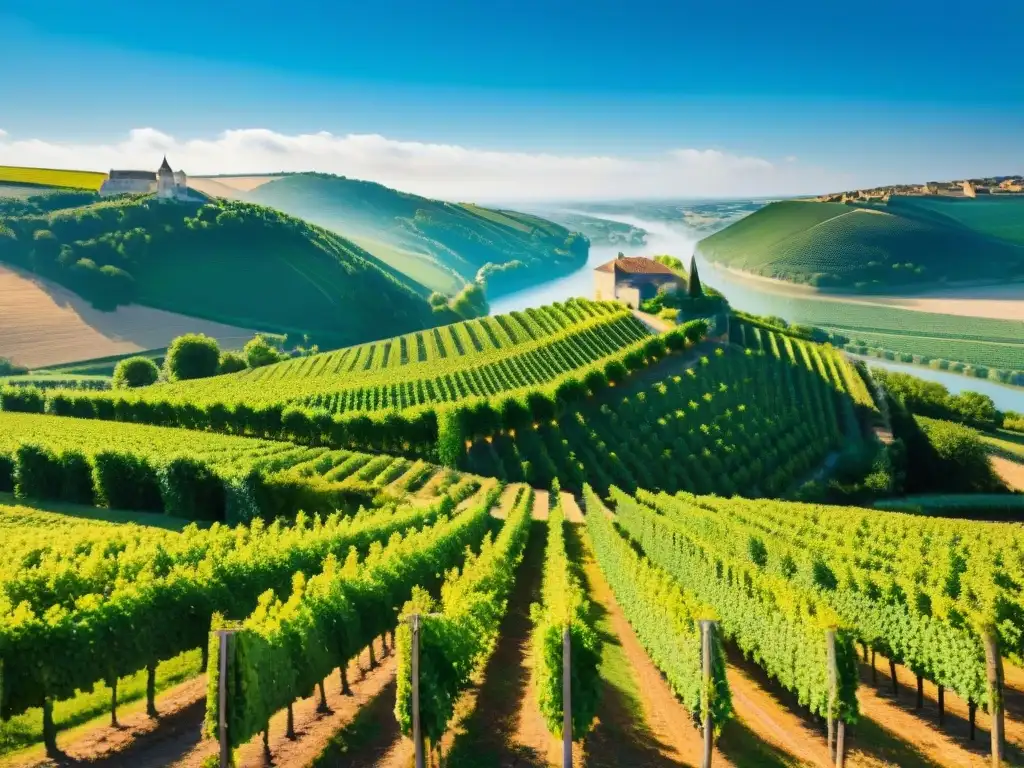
(633, 280)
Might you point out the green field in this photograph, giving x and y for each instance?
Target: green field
(911, 241)
(996, 216)
(419, 265)
(978, 353)
(973, 340)
(50, 177)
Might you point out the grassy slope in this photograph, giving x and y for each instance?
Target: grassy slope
(227, 261)
(911, 241)
(454, 240)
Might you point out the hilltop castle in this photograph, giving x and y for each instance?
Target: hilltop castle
(168, 184)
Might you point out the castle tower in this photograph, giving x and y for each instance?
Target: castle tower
(165, 181)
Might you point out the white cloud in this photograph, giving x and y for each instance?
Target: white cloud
(440, 170)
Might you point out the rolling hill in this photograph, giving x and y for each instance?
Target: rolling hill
(442, 245)
(906, 243)
(227, 261)
(45, 324)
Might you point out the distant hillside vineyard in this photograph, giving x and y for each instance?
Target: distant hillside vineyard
(442, 245)
(228, 261)
(874, 248)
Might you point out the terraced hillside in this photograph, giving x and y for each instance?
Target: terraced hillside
(376, 395)
(231, 262)
(443, 245)
(893, 247)
(750, 422)
(309, 543)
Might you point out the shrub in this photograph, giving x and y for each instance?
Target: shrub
(634, 360)
(655, 348)
(596, 381)
(570, 391)
(6, 473)
(135, 372)
(7, 368)
(695, 330)
(451, 439)
(37, 472)
(76, 478)
(514, 413)
(125, 481)
(22, 399)
(192, 356)
(675, 340)
(191, 490)
(58, 404)
(231, 362)
(961, 462)
(259, 352)
(615, 371)
(541, 406)
(297, 423)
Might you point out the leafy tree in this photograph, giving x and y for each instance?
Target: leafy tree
(470, 302)
(231, 362)
(135, 372)
(259, 352)
(192, 356)
(7, 368)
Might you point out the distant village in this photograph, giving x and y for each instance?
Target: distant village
(996, 185)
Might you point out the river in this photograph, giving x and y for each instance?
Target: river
(761, 298)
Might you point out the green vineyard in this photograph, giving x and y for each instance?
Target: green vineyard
(354, 557)
(724, 423)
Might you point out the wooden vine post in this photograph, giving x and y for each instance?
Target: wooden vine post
(417, 732)
(226, 642)
(566, 698)
(836, 731)
(994, 668)
(707, 630)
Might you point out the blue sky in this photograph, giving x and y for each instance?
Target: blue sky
(827, 94)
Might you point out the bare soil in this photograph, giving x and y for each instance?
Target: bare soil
(652, 729)
(228, 186)
(498, 721)
(180, 709)
(175, 739)
(45, 324)
(1011, 472)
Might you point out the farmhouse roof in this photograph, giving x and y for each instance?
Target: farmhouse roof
(635, 265)
(141, 175)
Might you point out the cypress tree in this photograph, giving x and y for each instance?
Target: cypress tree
(695, 291)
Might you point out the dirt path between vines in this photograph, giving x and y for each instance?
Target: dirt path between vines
(640, 722)
(498, 721)
(176, 738)
(948, 744)
(181, 711)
